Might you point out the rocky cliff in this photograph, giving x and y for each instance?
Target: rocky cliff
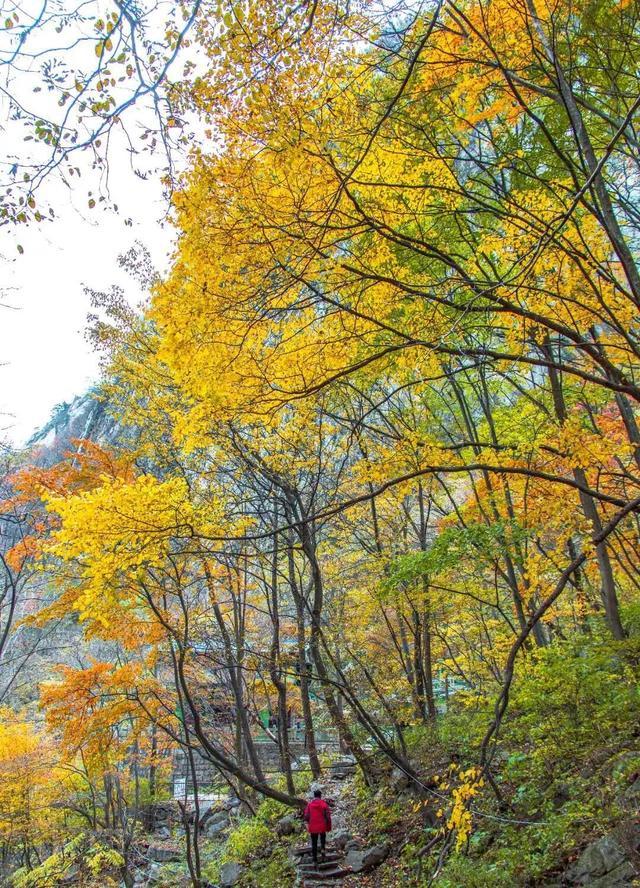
(86, 417)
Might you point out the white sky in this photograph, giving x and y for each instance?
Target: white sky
(44, 354)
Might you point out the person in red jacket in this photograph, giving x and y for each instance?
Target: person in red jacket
(317, 815)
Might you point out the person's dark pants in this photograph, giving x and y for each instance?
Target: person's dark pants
(314, 844)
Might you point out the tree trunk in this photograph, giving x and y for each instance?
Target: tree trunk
(607, 581)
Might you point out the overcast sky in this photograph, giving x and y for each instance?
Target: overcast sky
(45, 356)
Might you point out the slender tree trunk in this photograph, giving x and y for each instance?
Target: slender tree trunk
(192, 829)
(275, 670)
(509, 566)
(607, 581)
(236, 683)
(153, 767)
(428, 663)
(305, 699)
(344, 731)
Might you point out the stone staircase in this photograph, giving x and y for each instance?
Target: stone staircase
(331, 867)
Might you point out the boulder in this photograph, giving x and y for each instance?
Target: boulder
(561, 795)
(154, 873)
(361, 861)
(207, 807)
(214, 828)
(230, 874)
(162, 855)
(632, 793)
(623, 762)
(608, 862)
(597, 859)
(354, 844)
(163, 833)
(340, 837)
(288, 825)
(344, 768)
(231, 803)
(620, 877)
(157, 814)
(398, 780)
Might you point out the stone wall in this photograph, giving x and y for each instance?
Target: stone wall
(268, 753)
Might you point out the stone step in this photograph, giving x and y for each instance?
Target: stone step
(330, 855)
(322, 865)
(300, 852)
(307, 884)
(316, 877)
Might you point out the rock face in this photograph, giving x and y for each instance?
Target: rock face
(86, 417)
(611, 862)
(360, 861)
(230, 874)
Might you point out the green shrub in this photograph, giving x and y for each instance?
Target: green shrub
(474, 874)
(270, 810)
(384, 817)
(274, 872)
(173, 875)
(98, 863)
(248, 840)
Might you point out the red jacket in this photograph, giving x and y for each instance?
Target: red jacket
(318, 816)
